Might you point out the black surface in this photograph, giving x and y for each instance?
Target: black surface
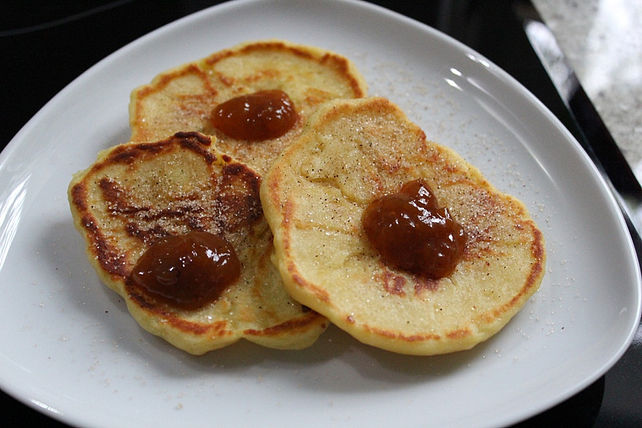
(47, 44)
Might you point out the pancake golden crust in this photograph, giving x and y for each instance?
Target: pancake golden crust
(314, 196)
(136, 193)
(183, 99)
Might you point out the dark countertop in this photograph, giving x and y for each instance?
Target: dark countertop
(48, 44)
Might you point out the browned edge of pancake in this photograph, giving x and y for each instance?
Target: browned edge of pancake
(329, 59)
(314, 295)
(199, 68)
(104, 253)
(114, 269)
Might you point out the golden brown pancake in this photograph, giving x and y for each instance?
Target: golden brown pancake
(137, 193)
(314, 197)
(183, 99)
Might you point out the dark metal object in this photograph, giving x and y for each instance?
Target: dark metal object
(594, 136)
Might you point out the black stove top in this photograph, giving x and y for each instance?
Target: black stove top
(48, 44)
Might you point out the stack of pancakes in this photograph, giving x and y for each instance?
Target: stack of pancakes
(291, 207)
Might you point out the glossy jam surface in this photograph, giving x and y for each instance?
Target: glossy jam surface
(258, 116)
(187, 271)
(412, 233)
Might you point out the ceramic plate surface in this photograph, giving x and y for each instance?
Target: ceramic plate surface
(69, 347)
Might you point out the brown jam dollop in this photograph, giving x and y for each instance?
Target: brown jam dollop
(258, 116)
(187, 271)
(412, 233)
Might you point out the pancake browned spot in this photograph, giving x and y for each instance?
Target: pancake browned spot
(182, 99)
(137, 193)
(353, 152)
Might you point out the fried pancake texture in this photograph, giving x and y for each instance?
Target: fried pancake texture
(139, 193)
(184, 98)
(314, 197)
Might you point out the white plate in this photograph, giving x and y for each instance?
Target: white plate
(70, 349)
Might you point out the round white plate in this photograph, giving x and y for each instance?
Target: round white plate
(69, 347)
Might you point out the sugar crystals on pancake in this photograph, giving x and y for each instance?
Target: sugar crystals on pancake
(189, 97)
(317, 195)
(176, 228)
